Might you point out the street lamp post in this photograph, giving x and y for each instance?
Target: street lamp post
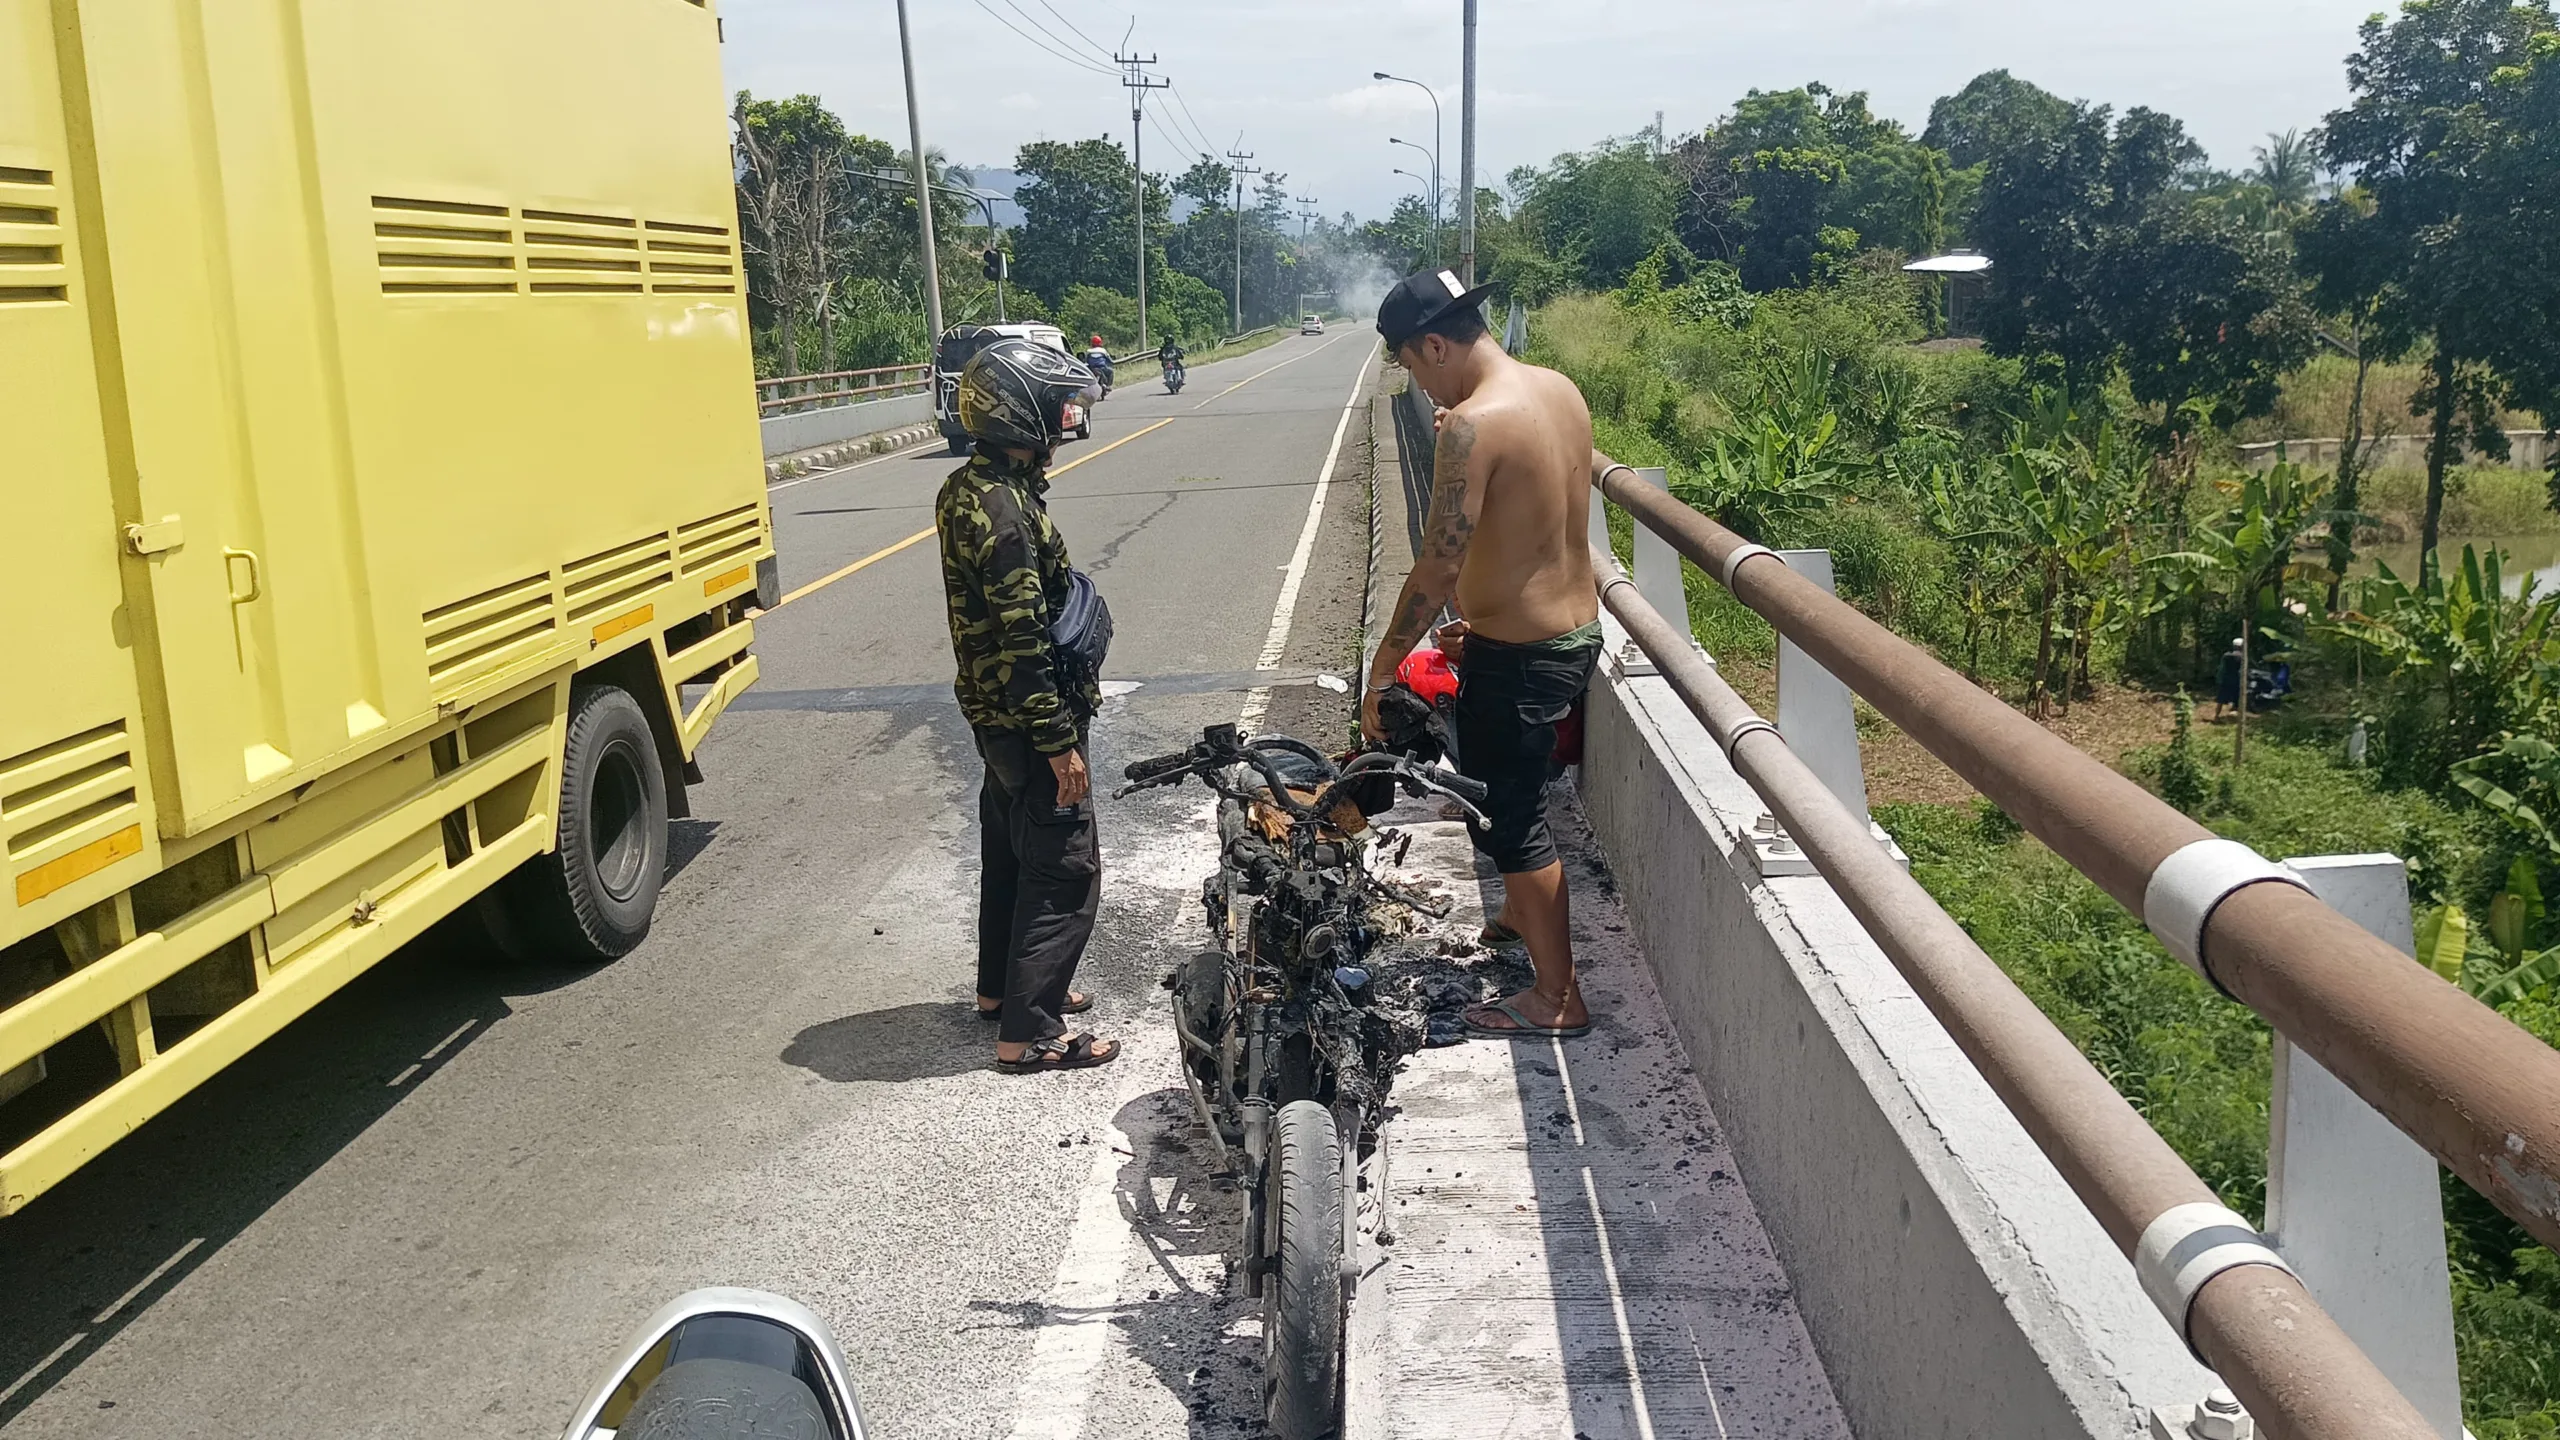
(1425, 183)
(1435, 192)
(1435, 152)
(986, 200)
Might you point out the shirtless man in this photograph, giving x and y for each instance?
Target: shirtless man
(1507, 539)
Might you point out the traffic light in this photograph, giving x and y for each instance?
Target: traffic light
(993, 265)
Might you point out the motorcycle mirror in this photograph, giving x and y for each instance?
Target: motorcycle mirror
(708, 1357)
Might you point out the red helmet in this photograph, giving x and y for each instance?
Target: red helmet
(1427, 673)
(1096, 340)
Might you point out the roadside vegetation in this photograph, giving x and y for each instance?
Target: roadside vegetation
(2059, 507)
(835, 279)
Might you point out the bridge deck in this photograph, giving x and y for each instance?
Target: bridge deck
(1574, 1253)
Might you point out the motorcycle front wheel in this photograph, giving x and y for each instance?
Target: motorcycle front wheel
(1302, 1283)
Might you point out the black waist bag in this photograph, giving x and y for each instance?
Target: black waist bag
(1080, 638)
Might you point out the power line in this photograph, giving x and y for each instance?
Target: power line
(1199, 132)
(1070, 24)
(1170, 138)
(1061, 44)
(1071, 59)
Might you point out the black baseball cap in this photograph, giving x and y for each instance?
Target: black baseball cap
(1420, 298)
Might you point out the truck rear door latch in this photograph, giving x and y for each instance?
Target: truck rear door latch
(152, 539)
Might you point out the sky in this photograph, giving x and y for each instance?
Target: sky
(1290, 83)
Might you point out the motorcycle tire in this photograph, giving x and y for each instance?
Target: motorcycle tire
(1302, 1317)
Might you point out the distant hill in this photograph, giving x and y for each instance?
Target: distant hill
(1003, 181)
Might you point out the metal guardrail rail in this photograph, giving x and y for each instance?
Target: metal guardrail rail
(777, 394)
(2234, 1301)
(2473, 1089)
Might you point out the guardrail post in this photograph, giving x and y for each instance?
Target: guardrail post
(2353, 1205)
(1657, 574)
(1818, 718)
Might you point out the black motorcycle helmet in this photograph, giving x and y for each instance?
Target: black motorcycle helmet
(1015, 393)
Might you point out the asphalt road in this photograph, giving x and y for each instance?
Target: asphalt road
(437, 1205)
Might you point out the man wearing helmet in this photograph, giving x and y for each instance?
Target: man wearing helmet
(1005, 576)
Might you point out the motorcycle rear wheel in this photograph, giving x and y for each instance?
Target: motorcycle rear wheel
(1302, 1283)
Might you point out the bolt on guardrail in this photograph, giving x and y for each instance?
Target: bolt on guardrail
(2467, 1084)
(2235, 1302)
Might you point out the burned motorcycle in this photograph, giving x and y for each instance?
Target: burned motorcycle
(1284, 1049)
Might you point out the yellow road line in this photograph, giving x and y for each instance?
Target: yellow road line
(876, 556)
(1107, 449)
(1258, 374)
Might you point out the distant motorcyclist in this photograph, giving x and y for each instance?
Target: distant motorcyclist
(1169, 360)
(1097, 358)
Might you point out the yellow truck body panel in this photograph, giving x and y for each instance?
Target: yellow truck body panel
(371, 371)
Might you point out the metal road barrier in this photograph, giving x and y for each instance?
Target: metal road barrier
(2475, 1090)
(2237, 1304)
(789, 392)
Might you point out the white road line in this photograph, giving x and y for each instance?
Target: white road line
(1618, 1308)
(1258, 701)
(1081, 1304)
(1084, 1298)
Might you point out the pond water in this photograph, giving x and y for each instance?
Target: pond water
(2537, 555)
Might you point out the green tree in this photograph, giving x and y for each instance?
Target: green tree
(1079, 224)
(2424, 139)
(1599, 211)
(1996, 113)
(1087, 310)
(2286, 167)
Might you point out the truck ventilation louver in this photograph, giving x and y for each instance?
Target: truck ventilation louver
(459, 247)
(69, 809)
(470, 637)
(31, 268)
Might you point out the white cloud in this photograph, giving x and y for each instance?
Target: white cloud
(1025, 100)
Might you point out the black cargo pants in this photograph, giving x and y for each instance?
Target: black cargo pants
(1039, 887)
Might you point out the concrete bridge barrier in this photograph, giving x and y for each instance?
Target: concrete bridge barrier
(1952, 1282)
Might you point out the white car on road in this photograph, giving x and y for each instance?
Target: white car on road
(1312, 325)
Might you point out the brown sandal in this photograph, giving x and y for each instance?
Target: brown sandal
(1067, 1052)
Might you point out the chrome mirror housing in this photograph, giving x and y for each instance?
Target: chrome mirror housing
(722, 1362)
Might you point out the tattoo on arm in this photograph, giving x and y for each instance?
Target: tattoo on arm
(1445, 533)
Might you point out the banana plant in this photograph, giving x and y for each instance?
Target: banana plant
(2490, 655)
(2252, 545)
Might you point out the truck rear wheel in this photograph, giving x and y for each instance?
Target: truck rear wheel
(591, 898)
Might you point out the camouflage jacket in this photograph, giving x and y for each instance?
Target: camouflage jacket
(1004, 574)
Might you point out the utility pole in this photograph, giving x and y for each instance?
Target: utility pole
(1134, 80)
(924, 190)
(1236, 159)
(1467, 154)
(1306, 211)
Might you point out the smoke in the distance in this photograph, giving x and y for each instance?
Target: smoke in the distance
(1358, 290)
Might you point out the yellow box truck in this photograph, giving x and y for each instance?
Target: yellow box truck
(381, 508)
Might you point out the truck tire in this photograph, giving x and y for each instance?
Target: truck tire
(1302, 1286)
(591, 898)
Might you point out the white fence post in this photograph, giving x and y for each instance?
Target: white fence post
(2353, 1204)
(1818, 717)
(1656, 569)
